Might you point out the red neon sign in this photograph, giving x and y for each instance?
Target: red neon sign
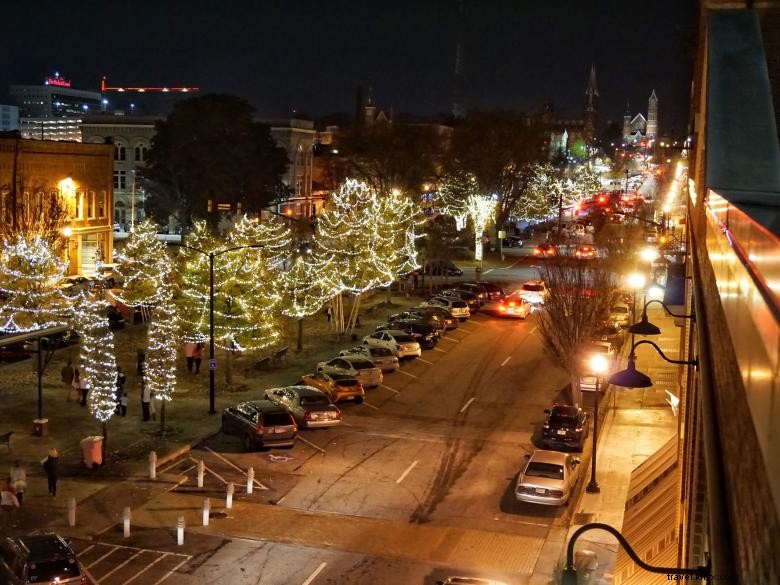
(56, 80)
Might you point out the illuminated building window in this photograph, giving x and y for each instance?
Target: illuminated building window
(79, 204)
(91, 205)
(101, 205)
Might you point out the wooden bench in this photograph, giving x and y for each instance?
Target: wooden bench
(262, 364)
(5, 439)
(280, 355)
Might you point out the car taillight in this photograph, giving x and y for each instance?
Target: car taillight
(555, 493)
(578, 430)
(84, 579)
(338, 414)
(307, 416)
(511, 303)
(259, 429)
(537, 252)
(502, 308)
(545, 426)
(399, 347)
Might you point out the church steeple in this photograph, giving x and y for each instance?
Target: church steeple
(652, 116)
(591, 104)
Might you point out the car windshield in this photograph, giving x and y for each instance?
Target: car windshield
(533, 287)
(403, 338)
(381, 352)
(309, 400)
(548, 470)
(621, 310)
(56, 569)
(361, 364)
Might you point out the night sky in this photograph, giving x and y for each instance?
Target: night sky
(309, 55)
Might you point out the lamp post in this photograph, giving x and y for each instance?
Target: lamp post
(212, 362)
(644, 327)
(635, 282)
(598, 365)
(633, 378)
(626, 182)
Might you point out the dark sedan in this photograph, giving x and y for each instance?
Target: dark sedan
(426, 335)
(565, 426)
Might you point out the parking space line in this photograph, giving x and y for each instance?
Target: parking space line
(419, 359)
(451, 338)
(236, 467)
(386, 388)
(169, 573)
(171, 466)
(473, 322)
(506, 360)
(400, 371)
(211, 471)
(462, 330)
(441, 350)
(89, 548)
(146, 568)
(310, 444)
(465, 406)
(370, 405)
(108, 554)
(316, 572)
(407, 471)
(115, 569)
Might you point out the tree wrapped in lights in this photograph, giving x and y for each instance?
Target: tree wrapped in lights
(29, 271)
(246, 289)
(97, 355)
(586, 182)
(160, 372)
(480, 209)
(456, 188)
(536, 201)
(399, 225)
(272, 233)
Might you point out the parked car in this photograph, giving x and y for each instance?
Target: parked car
(15, 352)
(457, 308)
(73, 285)
(425, 335)
(382, 357)
(545, 251)
(620, 315)
(474, 288)
(110, 277)
(610, 332)
(338, 387)
(469, 581)
(359, 367)
(513, 307)
(534, 292)
(565, 426)
(426, 316)
(604, 348)
(449, 321)
(493, 292)
(471, 299)
(260, 424)
(309, 407)
(548, 478)
(442, 268)
(39, 558)
(584, 252)
(512, 242)
(400, 342)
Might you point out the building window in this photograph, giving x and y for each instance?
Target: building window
(120, 179)
(102, 205)
(91, 205)
(79, 204)
(120, 153)
(140, 153)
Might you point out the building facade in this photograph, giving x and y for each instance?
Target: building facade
(131, 137)
(79, 175)
(9, 118)
(640, 127)
(54, 98)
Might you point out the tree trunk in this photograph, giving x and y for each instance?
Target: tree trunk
(299, 345)
(353, 314)
(162, 415)
(228, 368)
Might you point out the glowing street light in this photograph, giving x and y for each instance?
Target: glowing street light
(598, 365)
(635, 281)
(649, 254)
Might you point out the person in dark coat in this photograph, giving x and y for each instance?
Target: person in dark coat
(120, 387)
(67, 373)
(50, 464)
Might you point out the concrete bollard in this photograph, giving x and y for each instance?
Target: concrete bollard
(206, 511)
(250, 480)
(229, 497)
(180, 530)
(71, 511)
(152, 465)
(201, 470)
(126, 521)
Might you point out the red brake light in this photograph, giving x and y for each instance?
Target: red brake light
(307, 416)
(511, 303)
(259, 429)
(338, 414)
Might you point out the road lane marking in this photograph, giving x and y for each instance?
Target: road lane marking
(212, 472)
(407, 373)
(406, 472)
(108, 554)
(386, 388)
(89, 548)
(115, 569)
(462, 330)
(488, 271)
(419, 359)
(473, 322)
(146, 568)
(310, 444)
(465, 406)
(441, 350)
(506, 360)
(169, 573)
(234, 466)
(369, 405)
(316, 572)
(450, 338)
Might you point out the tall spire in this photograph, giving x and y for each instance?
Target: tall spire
(592, 90)
(591, 104)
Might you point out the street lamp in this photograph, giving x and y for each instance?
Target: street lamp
(633, 378)
(212, 361)
(644, 327)
(598, 365)
(649, 254)
(635, 282)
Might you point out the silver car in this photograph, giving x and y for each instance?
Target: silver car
(548, 478)
(358, 366)
(399, 342)
(382, 357)
(308, 406)
(457, 308)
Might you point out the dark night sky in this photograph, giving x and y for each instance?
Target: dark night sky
(311, 54)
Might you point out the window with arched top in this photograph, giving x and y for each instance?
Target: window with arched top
(91, 204)
(120, 152)
(140, 153)
(80, 204)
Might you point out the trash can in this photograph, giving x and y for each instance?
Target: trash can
(41, 427)
(92, 448)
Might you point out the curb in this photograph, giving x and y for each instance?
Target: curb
(185, 448)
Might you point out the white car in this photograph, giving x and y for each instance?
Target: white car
(399, 342)
(457, 308)
(382, 357)
(548, 478)
(620, 315)
(358, 366)
(534, 292)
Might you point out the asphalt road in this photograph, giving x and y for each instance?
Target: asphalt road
(438, 444)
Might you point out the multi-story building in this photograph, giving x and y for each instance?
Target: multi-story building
(9, 118)
(79, 175)
(55, 98)
(131, 137)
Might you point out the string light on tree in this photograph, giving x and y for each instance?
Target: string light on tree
(456, 188)
(481, 209)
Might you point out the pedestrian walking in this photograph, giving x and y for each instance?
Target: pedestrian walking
(8, 501)
(76, 384)
(198, 356)
(19, 480)
(123, 404)
(152, 408)
(140, 365)
(67, 377)
(50, 464)
(189, 353)
(329, 313)
(120, 387)
(146, 399)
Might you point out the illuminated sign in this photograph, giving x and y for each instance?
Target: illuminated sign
(56, 80)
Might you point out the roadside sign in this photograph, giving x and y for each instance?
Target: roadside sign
(213, 364)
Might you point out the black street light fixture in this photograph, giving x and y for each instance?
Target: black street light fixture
(633, 378)
(569, 575)
(212, 361)
(644, 327)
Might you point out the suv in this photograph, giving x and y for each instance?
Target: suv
(427, 336)
(39, 558)
(429, 318)
(457, 308)
(468, 297)
(260, 423)
(565, 426)
(473, 288)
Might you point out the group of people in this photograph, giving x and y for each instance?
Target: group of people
(194, 354)
(77, 389)
(13, 490)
